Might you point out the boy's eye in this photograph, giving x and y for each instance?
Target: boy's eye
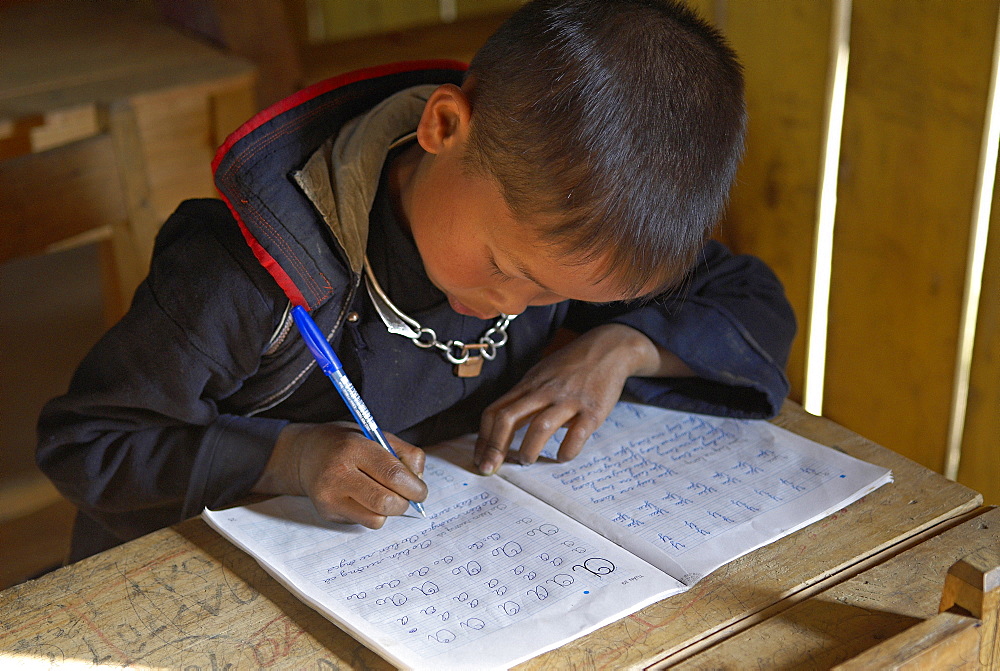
(496, 272)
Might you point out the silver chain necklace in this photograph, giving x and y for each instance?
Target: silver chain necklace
(467, 358)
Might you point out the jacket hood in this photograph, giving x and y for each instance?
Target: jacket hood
(341, 178)
(261, 173)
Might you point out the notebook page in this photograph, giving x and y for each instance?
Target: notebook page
(689, 493)
(490, 579)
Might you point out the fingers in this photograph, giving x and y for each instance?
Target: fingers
(501, 422)
(413, 457)
(396, 474)
(353, 479)
(542, 427)
(497, 427)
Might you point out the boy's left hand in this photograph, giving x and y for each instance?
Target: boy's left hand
(577, 386)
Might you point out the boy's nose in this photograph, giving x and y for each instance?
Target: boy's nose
(509, 307)
(515, 302)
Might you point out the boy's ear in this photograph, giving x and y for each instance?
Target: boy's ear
(445, 120)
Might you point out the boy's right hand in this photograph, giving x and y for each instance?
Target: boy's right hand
(348, 477)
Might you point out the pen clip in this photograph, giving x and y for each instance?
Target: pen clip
(316, 341)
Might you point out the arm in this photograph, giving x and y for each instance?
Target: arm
(718, 346)
(731, 324)
(139, 440)
(143, 438)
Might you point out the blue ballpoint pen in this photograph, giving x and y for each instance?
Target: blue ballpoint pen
(330, 364)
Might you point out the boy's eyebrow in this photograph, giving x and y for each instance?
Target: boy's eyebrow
(521, 268)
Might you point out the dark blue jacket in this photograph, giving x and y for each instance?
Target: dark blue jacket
(179, 405)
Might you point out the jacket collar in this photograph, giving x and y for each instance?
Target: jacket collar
(288, 231)
(342, 176)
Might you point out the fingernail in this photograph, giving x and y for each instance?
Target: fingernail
(488, 466)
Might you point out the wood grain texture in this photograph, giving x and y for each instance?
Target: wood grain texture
(913, 124)
(34, 190)
(946, 641)
(784, 47)
(184, 596)
(979, 466)
(850, 618)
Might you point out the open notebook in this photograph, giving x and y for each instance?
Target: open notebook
(505, 568)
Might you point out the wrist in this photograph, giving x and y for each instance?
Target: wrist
(283, 472)
(643, 357)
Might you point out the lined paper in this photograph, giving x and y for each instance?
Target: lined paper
(689, 493)
(491, 574)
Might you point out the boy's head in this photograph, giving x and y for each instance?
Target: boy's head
(619, 123)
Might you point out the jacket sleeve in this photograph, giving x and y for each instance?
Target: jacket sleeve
(139, 441)
(729, 321)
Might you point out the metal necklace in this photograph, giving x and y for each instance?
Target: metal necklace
(467, 358)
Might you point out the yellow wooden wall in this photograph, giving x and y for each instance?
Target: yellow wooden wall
(333, 20)
(914, 113)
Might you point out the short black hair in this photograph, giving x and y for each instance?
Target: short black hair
(625, 119)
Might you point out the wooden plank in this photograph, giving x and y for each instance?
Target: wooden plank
(177, 139)
(60, 55)
(946, 641)
(191, 598)
(459, 40)
(259, 30)
(229, 110)
(66, 125)
(132, 237)
(916, 102)
(784, 47)
(979, 466)
(15, 135)
(46, 198)
(973, 588)
(346, 20)
(848, 619)
(165, 141)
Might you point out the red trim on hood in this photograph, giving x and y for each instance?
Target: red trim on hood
(319, 88)
(270, 264)
(278, 108)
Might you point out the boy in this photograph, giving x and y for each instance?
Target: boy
(569, 180)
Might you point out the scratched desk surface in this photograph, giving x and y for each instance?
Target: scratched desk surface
(185, 598)
(858, 614)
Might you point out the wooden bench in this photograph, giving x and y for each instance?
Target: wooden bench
(108, 119)
(963, 635)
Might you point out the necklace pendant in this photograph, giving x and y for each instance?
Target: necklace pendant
(473, 364)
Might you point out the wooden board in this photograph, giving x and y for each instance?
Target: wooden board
(184, 596)
(114, 52)
(34, 190)
(152, 106)
(458, 41)
(784, 47)
(854, 616)
(913, 124)
(979, 467)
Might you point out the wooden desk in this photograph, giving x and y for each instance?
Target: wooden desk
(185, 597)
(857, 614)
(108, 119)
